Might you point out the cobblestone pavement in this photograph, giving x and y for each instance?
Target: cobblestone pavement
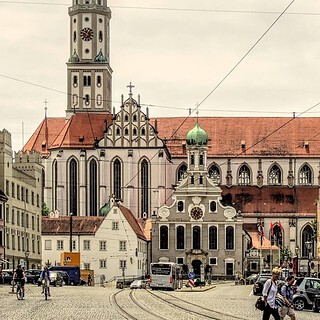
(95, 303)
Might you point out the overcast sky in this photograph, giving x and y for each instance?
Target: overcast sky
(174, 58)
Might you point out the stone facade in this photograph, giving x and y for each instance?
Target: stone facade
(21, 180)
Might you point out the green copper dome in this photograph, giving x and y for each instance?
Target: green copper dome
(197, 136)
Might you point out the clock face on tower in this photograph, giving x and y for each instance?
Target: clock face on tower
(196, 213)
(86, 34)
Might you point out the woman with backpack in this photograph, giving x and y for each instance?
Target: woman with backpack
(287, 293)
(269, 292)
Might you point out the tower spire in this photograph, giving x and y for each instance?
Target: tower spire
(130, 86)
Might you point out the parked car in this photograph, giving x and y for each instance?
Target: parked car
(138, 284)
(57, 278)
(252, 278)
(258, 285)
(7, 276)
(307, 289)
(33, 275)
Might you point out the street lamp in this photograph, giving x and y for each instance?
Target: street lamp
(309, 246)
(27, 253)
(71, 214)
(297, 254)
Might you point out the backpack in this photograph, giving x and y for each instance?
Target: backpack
(280, 302)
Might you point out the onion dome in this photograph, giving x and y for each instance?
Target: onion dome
(100, 57)
(74, 58)
(197, 136)
(104, 209)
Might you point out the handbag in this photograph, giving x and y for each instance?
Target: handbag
(260, 303)
(280, 300)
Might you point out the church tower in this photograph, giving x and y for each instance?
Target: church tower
(88, 69)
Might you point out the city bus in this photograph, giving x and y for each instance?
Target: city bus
(164, 275)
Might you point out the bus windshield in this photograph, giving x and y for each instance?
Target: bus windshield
(161, 269)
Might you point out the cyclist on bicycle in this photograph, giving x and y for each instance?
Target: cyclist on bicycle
(44, 276)
(20, 276)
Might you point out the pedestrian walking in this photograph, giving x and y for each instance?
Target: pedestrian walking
(269, 292)
(287, 293)
(89, 279)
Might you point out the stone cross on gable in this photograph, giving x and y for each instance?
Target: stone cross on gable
(130, 86)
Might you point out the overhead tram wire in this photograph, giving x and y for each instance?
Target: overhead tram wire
(220, 82)
(167, 8)
(148, 104)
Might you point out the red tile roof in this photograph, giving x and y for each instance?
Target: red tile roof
(133, 222)
(273, 200)
(263, 136)
(80, 225)
(80, 131)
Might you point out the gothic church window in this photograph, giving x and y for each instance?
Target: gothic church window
(164, 237)
(306, 236)
(305, 175)
(143, 131)
(117, 179)
(214, 173)
(196, 237)
(134, 118)
(144, 196)
(126, 131)
(229, 238)
(73, 186)
(180, 237)
(182, 171)
(275, 175)
(118, 131)
(93, 174)
(244, 175)
(213, 238)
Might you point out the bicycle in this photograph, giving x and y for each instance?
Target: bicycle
(46, 290)
(19, 291)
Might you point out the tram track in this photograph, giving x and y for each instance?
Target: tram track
(132, 308)
(192, 308)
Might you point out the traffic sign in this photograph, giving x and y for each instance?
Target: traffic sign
(191, 275)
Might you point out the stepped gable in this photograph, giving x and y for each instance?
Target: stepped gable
(276, 201)
(291, 137)
(133, 222)
(80, 225)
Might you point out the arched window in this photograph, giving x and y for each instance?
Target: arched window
(74, 36)
(126, 131)
(213, 238)
(180, 206)
(134, 131)
(192, 159)
(93, 176)
(118, 131)
(100, 36)
(144, 196)
(275, 175)
(306, 236)
(215, 174)
(196, 237)
(181, 172)
(134, 117)
(99, 81)
(213, 206)
(143, 131)
(277, 235)
(164, 237)
(201, 160)
(244, 175)
(229, 238)
(87, 81)
(73, 186)
(180, 237)
(305, 175)
(75, 81)
(117, 179)
(126, 118)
